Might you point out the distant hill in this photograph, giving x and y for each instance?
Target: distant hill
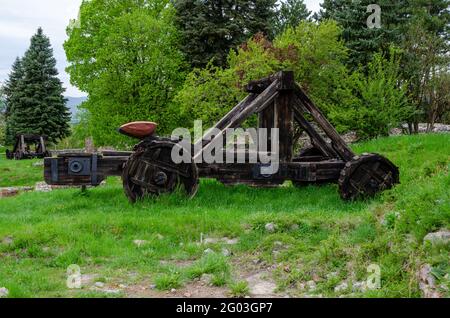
(73, 103)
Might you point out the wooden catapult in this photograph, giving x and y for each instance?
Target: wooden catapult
(279, 102)
(23, 147)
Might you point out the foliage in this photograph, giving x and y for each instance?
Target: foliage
(124, 55)
(383, 100)
(290, 14)
(211, 28)
(34, 95)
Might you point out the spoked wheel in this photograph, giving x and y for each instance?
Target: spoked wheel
(150, 171)
(367, 175)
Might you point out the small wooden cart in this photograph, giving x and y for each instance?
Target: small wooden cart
(28, 146)
(279, 103)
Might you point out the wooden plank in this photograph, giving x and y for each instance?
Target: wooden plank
(316, 138)
(339, 144)
(258, 104)
(284, 117)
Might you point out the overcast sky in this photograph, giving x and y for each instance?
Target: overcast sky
(19, 20)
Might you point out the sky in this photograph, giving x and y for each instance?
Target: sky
(19, 20)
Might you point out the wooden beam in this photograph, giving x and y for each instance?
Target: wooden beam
(316, 139)
(338, 143)
(261, 102)
(284, 118)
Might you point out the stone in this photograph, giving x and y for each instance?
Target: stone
(4, 292)
(42, 187)
(173, 290)
(359, 287)
(187, 295)
(332, 275)
(152, 286)
(311, 285)
(140, 243)
(159, 237)
(427, 282)
(341, 287)
(206, 279)
(8, 241)
(440, 237)
(231, 241)
(208, 251)
(226, 252)
(259, 286)
(122, 286)
(270, 227)
(294, 227)
(38, 164)
(99, 284)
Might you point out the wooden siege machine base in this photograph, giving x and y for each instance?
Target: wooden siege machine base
(23, 147)
(278, 101)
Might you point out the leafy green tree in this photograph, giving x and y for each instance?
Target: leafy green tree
(35, 101)
(124, 55)
(290, 14)
(211, 28)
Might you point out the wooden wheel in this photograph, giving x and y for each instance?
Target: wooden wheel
(367, 175)
(150, 171)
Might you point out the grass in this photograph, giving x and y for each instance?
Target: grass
(319, 233)
(19, 173)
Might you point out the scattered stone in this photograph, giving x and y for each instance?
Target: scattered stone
(206, 279)
(440, 237)
(270, 227)
(332, 275)
(231, 241)
(210, 240)
(8, 241)
(123, 286)
(225, 240)
(152, 286)
(140, 243)
(173, 290)
(311, 285)
(427, 282)
(341, 287)
(278, 244)
(208, 251)
(38, 164)
(226, 252)
(111, 291)
(294, 227)
(159, 237)
(99, 284)
(187, 295)
(42, 187)
(287, 269)
(260, 286)
(13, 191)
(4, 292)
(359, 287)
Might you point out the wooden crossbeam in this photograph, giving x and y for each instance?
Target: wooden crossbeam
(339, 144)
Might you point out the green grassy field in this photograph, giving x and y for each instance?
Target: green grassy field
(317, 238)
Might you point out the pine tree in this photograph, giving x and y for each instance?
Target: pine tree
(11, 92)
(36, 102)
(363, 41)
(211, 28)
(290, 14)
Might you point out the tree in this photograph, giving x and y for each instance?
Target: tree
(290, 14)
(9, 96)
(211, 28)
(124, 55)
(364, 41)
(35, 101)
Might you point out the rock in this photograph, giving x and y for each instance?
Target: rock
(152, 286)
(294, 227)
(210, 240)
(8, 241)
(260, 286)
(99, 284)
(270, 227)
(42, 187)
(278, 244)
(440, 237)
(332, 275)
(159, 237)
(206, 279)
(231, 241)
(225, 240)
(187, 295)
(311, 285)
(173, 290)
(140, 243)
(359, 287)
(208, 251)
(111, 291)
(427, 282)
(13, 191)
(4, 292)
(122, 286)
(226, 252)
(341, 287)
(38, 164)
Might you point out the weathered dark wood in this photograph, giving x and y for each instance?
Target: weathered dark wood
(284, 117)
(24, 143)
(338, 143)
(286, 81)
(316, 139)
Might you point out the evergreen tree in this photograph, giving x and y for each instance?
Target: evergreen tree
(10, 93)
(37, 103)
(363, 41)
(290, 14)
(211, 28)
